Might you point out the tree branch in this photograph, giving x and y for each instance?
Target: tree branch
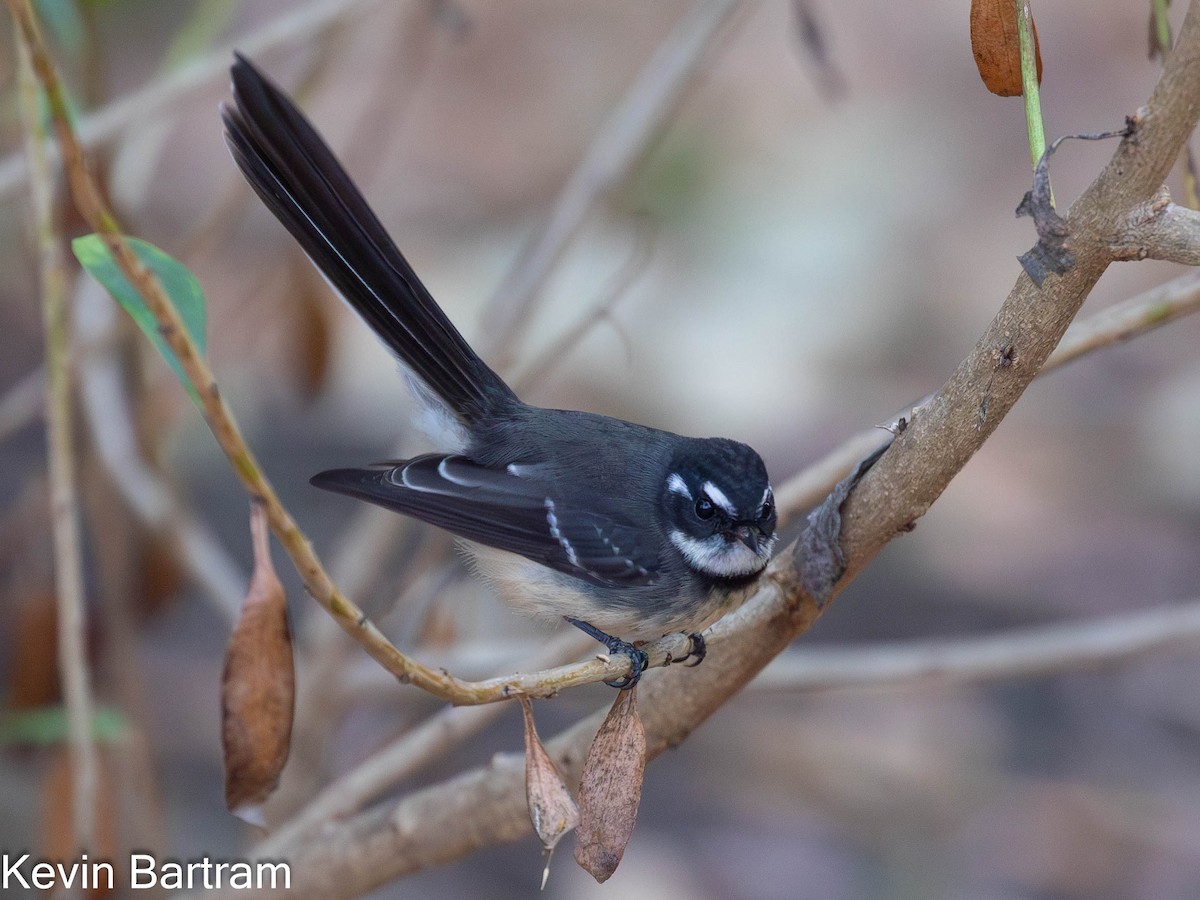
(937, 444)
(1020, 652)
(73, 667)
(1119, 322)
(1159, 230)
(102, 125)
(621, 142)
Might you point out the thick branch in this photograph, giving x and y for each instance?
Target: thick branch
(938, 442)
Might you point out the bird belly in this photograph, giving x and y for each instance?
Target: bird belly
(633, 613)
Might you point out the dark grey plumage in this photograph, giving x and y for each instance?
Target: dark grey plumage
(635, 530)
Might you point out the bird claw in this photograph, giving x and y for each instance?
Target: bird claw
(697, 650)
(638, 660)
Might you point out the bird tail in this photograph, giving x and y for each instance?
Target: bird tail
(301, 182)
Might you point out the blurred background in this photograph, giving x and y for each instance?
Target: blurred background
(812, 242)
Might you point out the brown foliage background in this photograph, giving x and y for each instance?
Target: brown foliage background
(813, 265)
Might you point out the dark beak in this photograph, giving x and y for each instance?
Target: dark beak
(748, 535)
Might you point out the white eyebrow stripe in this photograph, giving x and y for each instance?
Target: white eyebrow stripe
(717, 496)
(766, 496)
(676, 485)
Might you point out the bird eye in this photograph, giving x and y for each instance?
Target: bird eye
(768, 507)
(705, 508)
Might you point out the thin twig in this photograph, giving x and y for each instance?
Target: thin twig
(408, 754)
(23, 403)
(1030, 89)
(622, 140)
(1019, 652)
(601, 309)
(350, 618)
(1117, 323)
(1128, 319)
(110, 420)
(60, 440)
(104, 124)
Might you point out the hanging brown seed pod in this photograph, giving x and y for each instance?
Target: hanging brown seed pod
(997, 47)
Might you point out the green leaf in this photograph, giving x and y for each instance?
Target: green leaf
(209, 19)
(47, 725)
(62, 19)
(180, 285)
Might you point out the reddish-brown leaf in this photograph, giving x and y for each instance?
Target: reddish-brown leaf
(258, 687)
(312, 338)
(33, 650)
(611, 788)
(997, 48)
(57, 839)
(551, 807)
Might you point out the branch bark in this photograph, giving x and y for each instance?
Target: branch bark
(1159, 230)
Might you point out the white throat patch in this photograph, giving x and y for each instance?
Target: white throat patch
(719, 557)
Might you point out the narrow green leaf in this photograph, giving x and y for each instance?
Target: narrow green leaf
(47, 725)
(64, 22)
(180, 284)
(208, 21)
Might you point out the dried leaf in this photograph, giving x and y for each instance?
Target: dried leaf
(611, 788)
(818, 556)
(312, 334)
(258, 687)
(1052, 253)
(997, 47)
(56, 838)
(159, 572)
(552, 809)
(33, 679)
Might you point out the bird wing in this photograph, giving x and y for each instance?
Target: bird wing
(500, 508)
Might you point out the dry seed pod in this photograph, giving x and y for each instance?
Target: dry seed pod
(552, 809)
(611, 788)
(258, 687)
(997, 47)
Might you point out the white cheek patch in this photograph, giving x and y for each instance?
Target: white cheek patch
(717, 496)
(718, 557)
(676, 485)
